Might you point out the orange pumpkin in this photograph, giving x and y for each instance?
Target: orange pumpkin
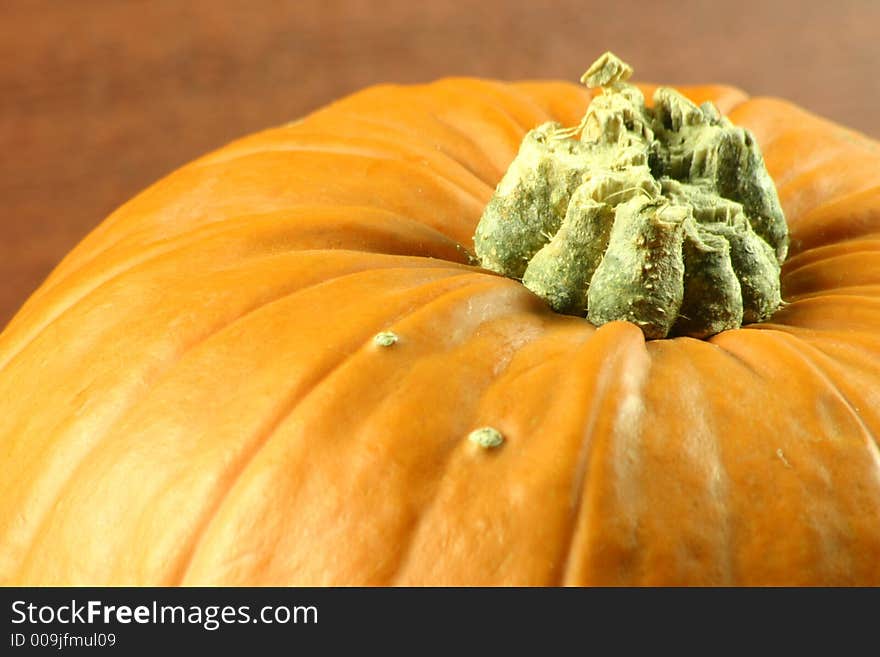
(194, 395)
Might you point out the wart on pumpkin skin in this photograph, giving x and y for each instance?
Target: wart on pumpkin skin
(782, 458)
(486, 437)
(663, 216)
(386, 339)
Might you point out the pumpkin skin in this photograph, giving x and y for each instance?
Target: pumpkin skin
(193, 397)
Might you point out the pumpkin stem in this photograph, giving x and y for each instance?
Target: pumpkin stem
(664, 216)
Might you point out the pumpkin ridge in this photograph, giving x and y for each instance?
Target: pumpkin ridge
(498, 97)
(581, 480)
(169, 368)
(774, 118)
(628, 381)
(503, 101)
(872, 440)
(190, 239)
(732, 565)
(830, 304)
(127, 220)
(521, 97)
(463, 282)
(834, 151)
(408, 552)
(717, 341)
(805, 353)
(450, 126)
(289, 408)
(809, 178)
(858, 293)
(441, 185)
(822, 275)
(808, 236)
(660, 501)
(818, 256)
(175, 243)
(453, 452)
(7, 356)
(352, 150)
(725, 569)
(861, 351)
(785, 178)
(798, 347)
(179, 241)
(553, 97)
(861, 244)
(420, 181)
(230, 224)
(396, 129)
(409, 543)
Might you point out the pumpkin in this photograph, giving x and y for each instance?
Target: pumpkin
(195, 395)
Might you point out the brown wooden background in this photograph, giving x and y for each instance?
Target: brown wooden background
(98, 98)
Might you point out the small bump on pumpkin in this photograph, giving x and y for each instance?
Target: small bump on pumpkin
(486, 437)
(782, 458)
(386, 338)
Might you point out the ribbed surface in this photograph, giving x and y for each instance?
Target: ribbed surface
(194, 395)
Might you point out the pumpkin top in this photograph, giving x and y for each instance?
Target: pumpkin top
(195, 397)
(664, 216)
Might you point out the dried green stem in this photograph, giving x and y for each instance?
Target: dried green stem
(663, 216)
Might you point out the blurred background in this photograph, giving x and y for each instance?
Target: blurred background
(102, 97)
